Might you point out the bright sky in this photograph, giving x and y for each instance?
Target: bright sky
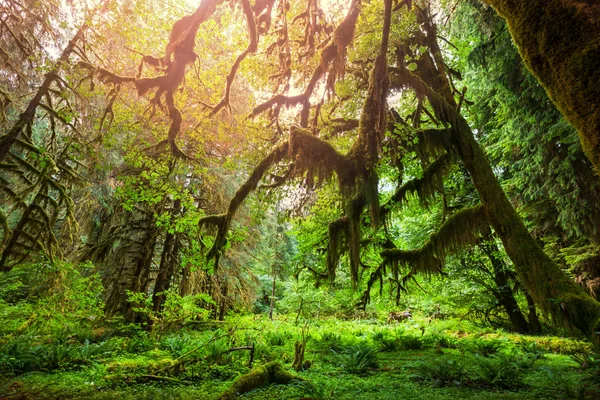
(325, 4)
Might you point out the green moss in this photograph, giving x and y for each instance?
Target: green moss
(559, 41)
(272, 372)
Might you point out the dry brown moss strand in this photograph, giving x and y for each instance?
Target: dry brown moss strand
(559, 41)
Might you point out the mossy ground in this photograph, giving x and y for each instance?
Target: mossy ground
(136, 366)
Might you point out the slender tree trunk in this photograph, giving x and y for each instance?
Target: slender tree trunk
(223, 303)
(504, 294)
(168, 260)
(533, 320)
(165, 272)
(272, 305)
(558, 40)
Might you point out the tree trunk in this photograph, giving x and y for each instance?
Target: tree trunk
(165, 272)
(548, 285)
(533, 320)
(272, 305)
(223, 302)
(504, 294)
(168, 260)
(558, 40)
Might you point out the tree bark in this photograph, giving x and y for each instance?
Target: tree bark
(532, 317)
(504, 294)
(272, 304)
(168, 260)
(548, 285)
(559, 41)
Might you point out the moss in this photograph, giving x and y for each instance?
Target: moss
(266, 374)
(337, 233)
(425, 188)
(559, 41)
(460, 230)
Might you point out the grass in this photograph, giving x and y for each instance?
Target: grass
(348, 360)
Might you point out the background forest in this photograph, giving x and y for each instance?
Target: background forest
(293, 199)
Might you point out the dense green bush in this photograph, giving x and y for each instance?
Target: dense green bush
(357, 358)
(503, 370)
(440, 372)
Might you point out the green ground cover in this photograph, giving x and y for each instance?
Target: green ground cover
(358, 359)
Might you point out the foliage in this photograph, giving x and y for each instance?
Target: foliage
(442, 372)
(177, 310)
(503, 370)
(357, 358)
(171, 174)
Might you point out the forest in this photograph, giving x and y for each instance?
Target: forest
(286, 199)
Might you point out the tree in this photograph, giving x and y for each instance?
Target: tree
(341, 100)
(43, 147)
(429, 77)
(558, 42)
(536, 153)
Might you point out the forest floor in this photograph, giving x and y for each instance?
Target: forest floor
(359, 359)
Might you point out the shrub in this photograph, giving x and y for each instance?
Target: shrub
(89, 351)
(441, 372)
(357, 358)
(263, 352)
(483, 347)
(277, 338)
(216, 352)
(410, 342)
(390, 344)
(503, 370)
(20, 355)
(138, 344)
(177, 345)
(331, 340)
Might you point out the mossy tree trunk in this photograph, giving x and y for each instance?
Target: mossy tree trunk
(547, 284)
(559, 41)
(533, 321)
(168, 261)
(504, 293)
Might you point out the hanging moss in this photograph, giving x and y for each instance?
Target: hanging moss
(264, 375)
(223, 221)
(338, 231)
(332, 61)
(433, 143)
(354, 209)
(315, 155)
(459, 231)
(425, 188)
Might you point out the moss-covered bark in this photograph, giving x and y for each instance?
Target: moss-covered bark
(549, 286)
(559, 41)
(260, 376)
